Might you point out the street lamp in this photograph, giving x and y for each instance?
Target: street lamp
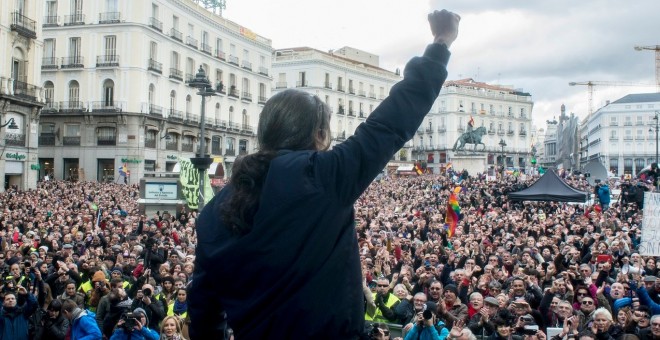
(202, 161)
(10, 124)
(656, 135)
(502, 144)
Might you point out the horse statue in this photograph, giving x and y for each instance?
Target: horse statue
(470, 137)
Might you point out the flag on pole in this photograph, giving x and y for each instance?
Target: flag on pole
(123, 170)
(453, 211)
(418, 169)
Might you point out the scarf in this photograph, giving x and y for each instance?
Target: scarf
(180, 307)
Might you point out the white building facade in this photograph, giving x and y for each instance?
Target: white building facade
(504, 112)
(348, 80)
(20, 94)
(115, 75)
(622, 134)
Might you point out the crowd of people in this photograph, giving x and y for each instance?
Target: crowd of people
(79, 258)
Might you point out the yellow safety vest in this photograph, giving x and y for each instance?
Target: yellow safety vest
(378, 315)
(86, 287)
(170, 311)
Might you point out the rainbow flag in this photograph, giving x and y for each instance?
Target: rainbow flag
(453, 211)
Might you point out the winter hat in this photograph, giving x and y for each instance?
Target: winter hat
(452, 288)
(98, 277)
(143, 312)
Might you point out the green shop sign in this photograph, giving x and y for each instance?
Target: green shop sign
(15, 156)
(35, 166)
(131, 160)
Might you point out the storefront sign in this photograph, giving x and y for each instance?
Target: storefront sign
(162, 191)
(131, 160)
(172, 157)
(15, 156)
(35, 166)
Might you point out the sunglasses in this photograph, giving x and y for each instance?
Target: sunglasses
(582, 294)
(585, 302)
(383, 285)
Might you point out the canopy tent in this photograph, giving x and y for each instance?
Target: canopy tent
(549, 188)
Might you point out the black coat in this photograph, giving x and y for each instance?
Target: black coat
(54, 329)
(296, 274)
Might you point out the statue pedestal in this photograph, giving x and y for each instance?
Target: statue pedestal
(472, 162)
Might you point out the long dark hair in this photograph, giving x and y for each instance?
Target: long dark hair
(290, 120)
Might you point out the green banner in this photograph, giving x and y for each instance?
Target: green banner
(189, 178)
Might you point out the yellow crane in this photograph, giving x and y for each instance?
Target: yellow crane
(655, 48)
(590, 87)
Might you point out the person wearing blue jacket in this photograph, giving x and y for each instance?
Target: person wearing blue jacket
(83, 322)
(14, 317)
(139, 331)
(277, 247)
(427, 329)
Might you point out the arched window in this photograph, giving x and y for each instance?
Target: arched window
(245, 120)
(49, 92)
(108, 92)
(18, 66)
(217, 110)
(231, 114)
(188, 105)
(172, 100)
(74, 94)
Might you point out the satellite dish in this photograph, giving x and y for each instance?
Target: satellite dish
(596, 170)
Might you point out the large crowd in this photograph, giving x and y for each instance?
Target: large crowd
(78, 258)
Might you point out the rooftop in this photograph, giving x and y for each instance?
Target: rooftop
(639, 98)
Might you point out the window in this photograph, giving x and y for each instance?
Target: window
(110, 47)
(19, 66)
(74, 48)
(175, 22)
(231, 114)
(49, 51)
(188, 105)
(246, 55)
(175, 61)
(77, 8)
(72, 130)
(111, 6)
(190, 68)
(51, 11)
(154, 11)
(613, 134)
(246, 86)
(245, 119)
(152, 91)
(108, 92)
(218, 45)
(172, 100)
(230, 143)
(74, 92)
(153, 50)
(205, 38)
(49, 91)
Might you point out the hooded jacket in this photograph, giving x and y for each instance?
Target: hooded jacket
(145, 333)
(83, 326)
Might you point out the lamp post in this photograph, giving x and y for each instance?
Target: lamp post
(202, 161)
(502, 144)
(11, 124)
(655, 117)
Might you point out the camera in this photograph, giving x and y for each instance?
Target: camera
(530, 329)
(130, 320)
(146, 292)
(426, 313)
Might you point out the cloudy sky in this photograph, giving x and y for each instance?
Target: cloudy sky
(538, 46)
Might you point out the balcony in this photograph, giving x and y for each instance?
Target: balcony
(500, 132)
(491, 132)
(176, 35)
(372, 95)
(111, 60)
(171, 145)
(230, 152)
(189, 77)
(341, 136)
(71, 141)
(72, 107)
(156, 24)
(216, 149)
(627, 124)
(73, 62)
(351, 112)
(155, 110)
(220, 88)
(340, 88)
(175, 115)
(510, 132)
(192, 118)
(247, 96)
(234, 126)
(351, 90)
(263, 71)
(50, 21)
(614, 124)
(155, 66)
(23, 25)
(362, 93)
(616, 138)
(442, 129)
(25, 90)
(108, 107)
(220, 54)
(192, 42)
(280, 85)
(522, 133)
(327, 85)
(50, 107)
(47, 139)
(221, 123)
(106, 140)
(233, 92)
(14, 139)
(340, 110)
(246, 65)
(74, 20)
(627, 138)
(176, 74)
(233, 60)
(109, 18)
(245, 128)
(262, 100)
(301, 84)
(187, 147)
(49, 63)
(206, 48)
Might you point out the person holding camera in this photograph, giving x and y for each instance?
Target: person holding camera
(134, 326)
(14, 316)
(385, 301)
(152, 306)
(52, 325)
(427, 326)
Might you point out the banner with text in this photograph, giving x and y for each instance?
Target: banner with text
(650, 243)
(189, 178)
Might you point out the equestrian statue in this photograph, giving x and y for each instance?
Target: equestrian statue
(470, 137)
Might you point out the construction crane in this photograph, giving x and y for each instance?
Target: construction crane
(590, 87)
(655, 48)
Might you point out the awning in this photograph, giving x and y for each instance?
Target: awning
(405, 168)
